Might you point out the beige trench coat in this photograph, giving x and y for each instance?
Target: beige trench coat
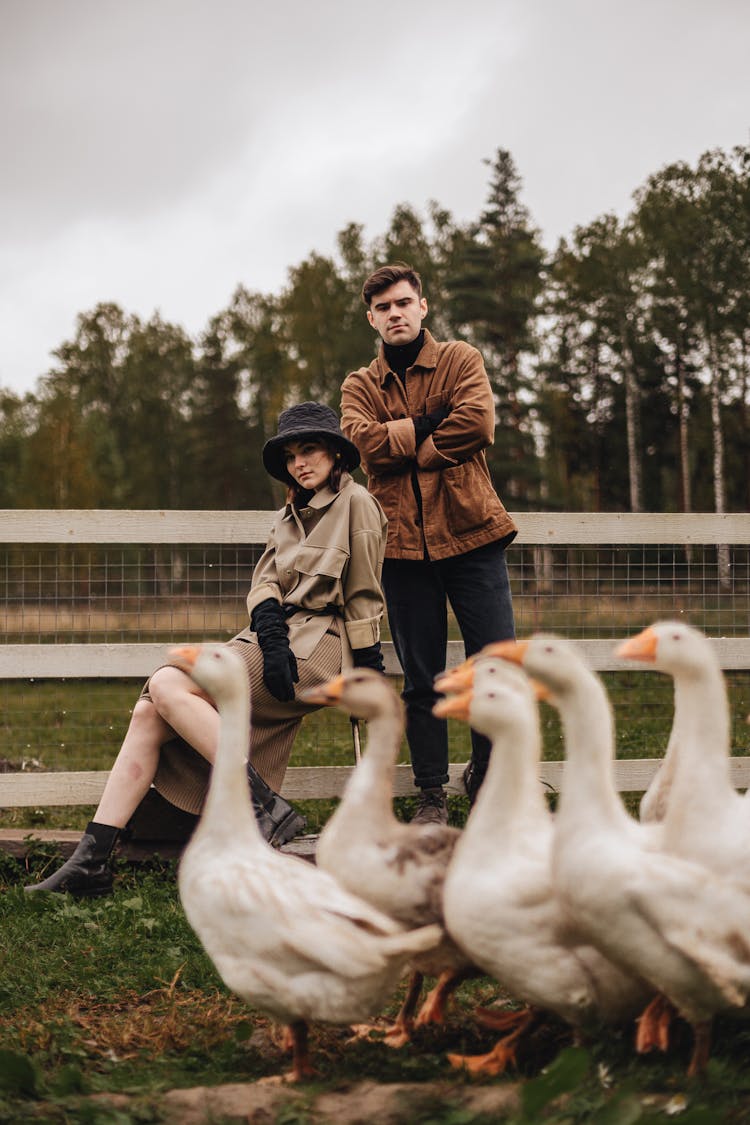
(326, 560)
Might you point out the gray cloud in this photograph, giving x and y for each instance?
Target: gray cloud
(158, 153)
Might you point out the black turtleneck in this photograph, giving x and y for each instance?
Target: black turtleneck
(401, 356)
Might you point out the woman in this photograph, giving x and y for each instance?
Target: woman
(315, 605)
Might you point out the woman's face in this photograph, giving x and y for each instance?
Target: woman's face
(309, 463)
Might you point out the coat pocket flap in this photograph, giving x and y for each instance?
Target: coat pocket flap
(321, 560)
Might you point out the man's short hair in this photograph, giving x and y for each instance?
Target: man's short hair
(387, 276)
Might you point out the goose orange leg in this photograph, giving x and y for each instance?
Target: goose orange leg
(400, 1033)
(502, 1054)
(653, 1025)
(433, 1009)
(301, 1065)
(499, 1019)
(701, 1048)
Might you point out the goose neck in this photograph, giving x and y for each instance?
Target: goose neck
(588, 730)
(370, 786)
(228, 810)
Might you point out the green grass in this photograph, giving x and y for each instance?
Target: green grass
(117, 995)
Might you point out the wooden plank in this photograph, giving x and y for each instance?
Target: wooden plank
(302, 783)
(80, 661)
(596, 528)
(83, 526)
(81, 787)
(17, 842)
(105, 661)
(114, 526)
(733, 654)
(44, 835)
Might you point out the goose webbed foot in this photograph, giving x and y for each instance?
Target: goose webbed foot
(503, 1054)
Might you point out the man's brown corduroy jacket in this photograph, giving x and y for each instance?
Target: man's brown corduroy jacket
(460, 508)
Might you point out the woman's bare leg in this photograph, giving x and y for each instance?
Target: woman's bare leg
(134, 767)
(176, 707)
(192, 715)
(186, 710)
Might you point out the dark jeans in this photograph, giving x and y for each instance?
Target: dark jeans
(477, 586)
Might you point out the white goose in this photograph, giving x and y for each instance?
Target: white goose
(704, 816)
(284, 936)
(674, 922)
(653, 805)
(399, 868)
(500, 901)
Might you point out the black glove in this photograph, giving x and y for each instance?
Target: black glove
(370, 657)
(426, 424)
(279, 662)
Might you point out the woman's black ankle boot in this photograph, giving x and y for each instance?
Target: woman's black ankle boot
(277, 820)
(87, 873)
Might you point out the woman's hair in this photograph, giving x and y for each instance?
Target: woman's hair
(299, 496)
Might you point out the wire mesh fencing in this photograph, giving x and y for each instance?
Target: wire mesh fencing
(112, 593)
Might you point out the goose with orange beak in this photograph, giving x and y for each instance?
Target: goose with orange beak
(704, 816)
(500, 900)
(670, 920)
(399, 868)
(283, 935)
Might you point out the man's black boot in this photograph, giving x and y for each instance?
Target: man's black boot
(277, 820)
(432, 807)
(87, 873)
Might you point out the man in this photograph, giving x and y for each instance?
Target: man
(421, 415)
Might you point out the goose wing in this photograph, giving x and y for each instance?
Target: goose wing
(282, 907)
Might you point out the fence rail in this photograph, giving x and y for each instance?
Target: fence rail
(85, 525)
(548, 582)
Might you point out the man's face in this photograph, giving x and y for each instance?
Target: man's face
(397, 313)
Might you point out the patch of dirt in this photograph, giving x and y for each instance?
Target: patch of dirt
(361, 1103)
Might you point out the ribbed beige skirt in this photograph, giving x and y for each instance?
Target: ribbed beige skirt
(182, 775)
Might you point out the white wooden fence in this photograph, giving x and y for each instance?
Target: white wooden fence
(97, 660)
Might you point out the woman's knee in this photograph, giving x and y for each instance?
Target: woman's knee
(167, 685)
(145, 717)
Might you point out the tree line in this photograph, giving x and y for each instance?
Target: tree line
(619, 361)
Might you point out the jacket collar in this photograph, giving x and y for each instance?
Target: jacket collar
(321, 499)
(427, 358)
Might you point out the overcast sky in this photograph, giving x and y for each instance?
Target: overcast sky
(157, 153)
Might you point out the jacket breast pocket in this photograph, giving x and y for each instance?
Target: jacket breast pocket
(328, 561)
(434, 402)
